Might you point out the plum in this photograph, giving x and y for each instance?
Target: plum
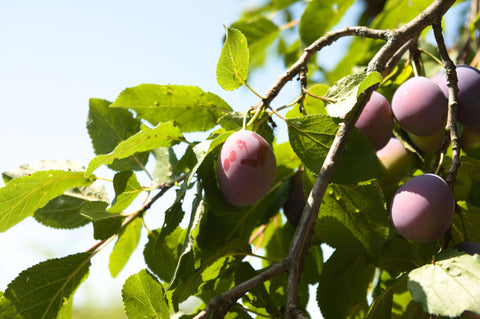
(296, 201)
(396, 161)
(468, 112)
(469, 247)
(246, 168)
(376, 120)
(422, 208)
(420, 106)
(427, 143)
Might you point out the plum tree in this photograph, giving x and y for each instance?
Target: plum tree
(422, 208)
(468, 112)
(245, 168)
(419, 106)
(396, 161)
(295, 202)
(376, 120)
(211, 206)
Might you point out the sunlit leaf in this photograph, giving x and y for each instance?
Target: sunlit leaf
(41, 290)
(449, 286)
(126, 189)
(105, 224)
(190, 108)
(343, 284)
(144, 297)
(163, 135)
(127, 242)
(311, 138)
(22, 196)
(232, 66)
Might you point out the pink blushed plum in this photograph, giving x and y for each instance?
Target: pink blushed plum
(246, 168)
(420, 106)
(468, 111)
(376, 120)
(422, 209)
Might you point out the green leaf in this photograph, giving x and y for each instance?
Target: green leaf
(22, 196)
(108, 127)
(260, 33)
(258, 296)
(45, 165)
(127, 242)
(346, 91)
(126, 189)
(232, 66)
(41, 290)
(315, 105)
(449, 286)
(467, 223)
(319, 17)
(63, 211)
(343, 284)
(311, 137)
(163, 135)
(161, 255)
(183, 267)
(105, 224)
(381, 307)
(210, 269)
(471, 165)
(144, 297)
(400, 255)
(174, 215)
(165, 162)
(67, 309)
(397, 13)
(190, 108)
(354, 218)
(280, 4)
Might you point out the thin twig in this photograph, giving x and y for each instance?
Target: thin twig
(137, 214)
(322, 98)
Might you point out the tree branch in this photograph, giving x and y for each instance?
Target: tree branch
(452, 83)
(293, 262)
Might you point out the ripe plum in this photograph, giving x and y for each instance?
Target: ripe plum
(422, 209)
(420, 107)
(245, 168)
(296, 201)
(376, 120)
(468, 112)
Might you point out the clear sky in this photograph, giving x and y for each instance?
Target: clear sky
(56, 54)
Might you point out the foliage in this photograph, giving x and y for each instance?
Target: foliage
(209, 248)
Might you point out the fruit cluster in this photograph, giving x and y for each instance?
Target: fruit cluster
(422, 208)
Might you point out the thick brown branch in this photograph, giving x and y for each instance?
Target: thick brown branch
(322, 42)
